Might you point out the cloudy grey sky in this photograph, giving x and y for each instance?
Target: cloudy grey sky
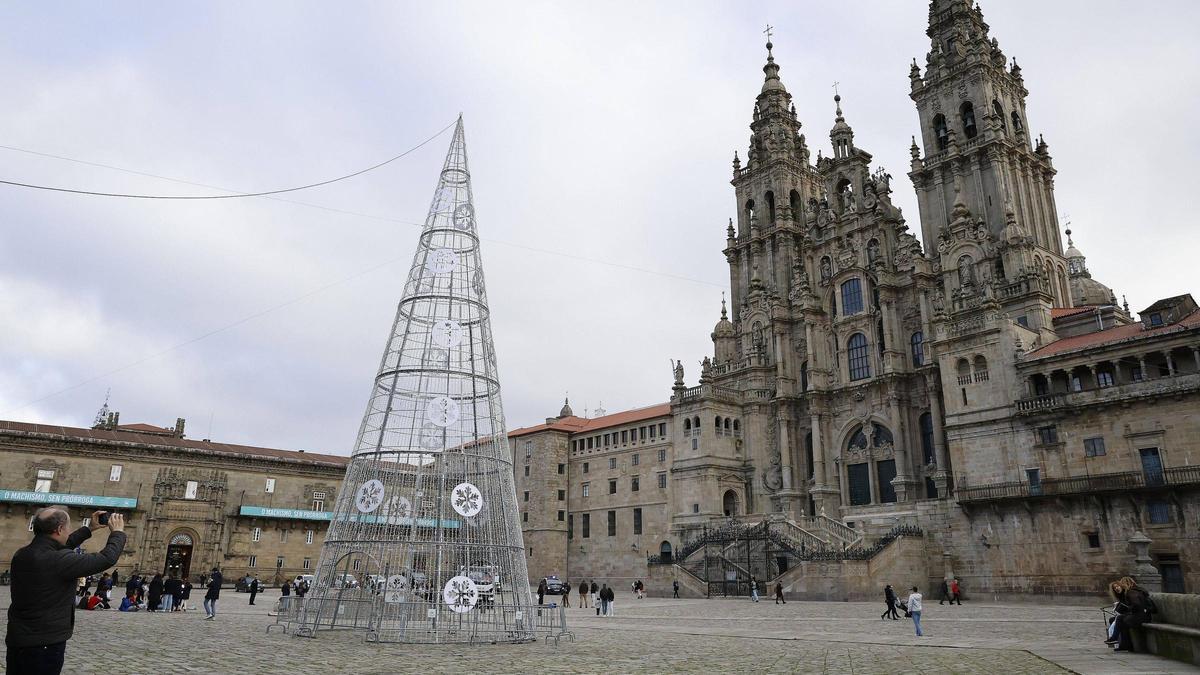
(603, 131)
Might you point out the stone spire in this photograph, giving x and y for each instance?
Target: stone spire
(841, 134)
(566, 409)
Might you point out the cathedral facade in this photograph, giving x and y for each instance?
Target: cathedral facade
(983, 393)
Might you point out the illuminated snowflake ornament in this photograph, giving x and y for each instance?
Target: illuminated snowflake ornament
(369, 496)
(466, 499)
(460, 594)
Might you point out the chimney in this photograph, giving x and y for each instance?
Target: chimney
(179, 422)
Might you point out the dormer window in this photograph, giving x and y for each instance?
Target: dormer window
(1156, 319)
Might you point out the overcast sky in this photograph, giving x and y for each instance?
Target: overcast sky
(601, 131)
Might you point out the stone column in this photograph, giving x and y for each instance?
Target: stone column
(1170, 363)
(903, 482)
(941, 478)
(1142, 367)
(1196, 355)
(825, 492)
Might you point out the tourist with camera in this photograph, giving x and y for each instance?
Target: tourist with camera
(44, 573)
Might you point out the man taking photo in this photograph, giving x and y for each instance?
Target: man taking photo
(42, 615)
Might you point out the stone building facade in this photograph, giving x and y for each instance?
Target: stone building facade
(190, 505)
(983, 392)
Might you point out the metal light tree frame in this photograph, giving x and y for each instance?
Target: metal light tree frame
(425, 543)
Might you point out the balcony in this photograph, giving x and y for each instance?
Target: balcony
(1124, 481)
(1159, 386)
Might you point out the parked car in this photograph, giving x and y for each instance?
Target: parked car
(486, 578)
(554, 585)
(343, 580)
(242, 585)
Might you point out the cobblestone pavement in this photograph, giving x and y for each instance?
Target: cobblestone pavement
(651, 635)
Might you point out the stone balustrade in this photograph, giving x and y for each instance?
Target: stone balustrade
(1123, 481)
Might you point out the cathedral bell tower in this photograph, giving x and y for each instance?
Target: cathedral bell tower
(984, 187)
(771, 192)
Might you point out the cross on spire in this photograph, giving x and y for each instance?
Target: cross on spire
(835, 88)
(768, 32)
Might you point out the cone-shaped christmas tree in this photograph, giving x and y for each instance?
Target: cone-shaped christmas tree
(425, 543)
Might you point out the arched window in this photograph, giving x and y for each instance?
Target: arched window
(727, 426)
(664, 552)
(717, 424)
(918, 348)
(964, 371)
(749, 215)
(737, 429)
(696, 423)
(770, 206)
(797, 207)
(1018, 127)
(858, 439)
(881, 435)
(981, 369)
(939, 131)
(999, 268)
(687, 425)
(967, 111)
(852, 299)
(859, 359)
(926, 424)
(999, 112)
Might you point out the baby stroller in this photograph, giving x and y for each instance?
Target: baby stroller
(904, 608)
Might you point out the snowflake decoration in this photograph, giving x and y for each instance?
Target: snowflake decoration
(477, 283)
(447, 333)
(397, 510)
(442, 411)
(466, 499)
(369, 496)
(460, 594)
(394, 588)
(432, 436)
(464, 216)
(436, 357)
(420, 283)
(441, 261)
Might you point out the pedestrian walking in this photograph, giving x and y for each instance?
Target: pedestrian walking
(583, 594)
(955, 591)
(889, 597)
(754, 588)
(542, 592)
(944, 592)
(675, 588)
(913, 605)
(566, 593)
(41, 617)
(779, 593)
(253, 589)
(213, 594)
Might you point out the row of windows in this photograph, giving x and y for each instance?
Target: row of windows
(634, 459)
(256, 535)
(611, 517)
(635, 483)
(307, 564)
(724, 426)
(623, 437)
(966, 114)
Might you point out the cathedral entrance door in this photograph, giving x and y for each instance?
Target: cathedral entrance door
(179, 556)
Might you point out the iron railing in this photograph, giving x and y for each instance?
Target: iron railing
(1108, 482)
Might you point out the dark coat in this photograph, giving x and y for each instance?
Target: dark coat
(187, 590)
(254, 587)
(214, 588)
(889, 595)
(156, 592)
(286, 589)
(44, 574)
(173, 587)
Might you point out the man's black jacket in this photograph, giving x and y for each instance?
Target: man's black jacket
(44, 575)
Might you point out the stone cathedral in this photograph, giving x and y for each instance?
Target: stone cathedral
(978, 406)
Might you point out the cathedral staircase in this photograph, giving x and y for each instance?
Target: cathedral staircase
(722, 559)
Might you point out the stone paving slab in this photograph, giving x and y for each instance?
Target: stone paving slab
(652, 635)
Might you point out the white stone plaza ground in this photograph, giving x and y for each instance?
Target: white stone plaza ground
(650, 635)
